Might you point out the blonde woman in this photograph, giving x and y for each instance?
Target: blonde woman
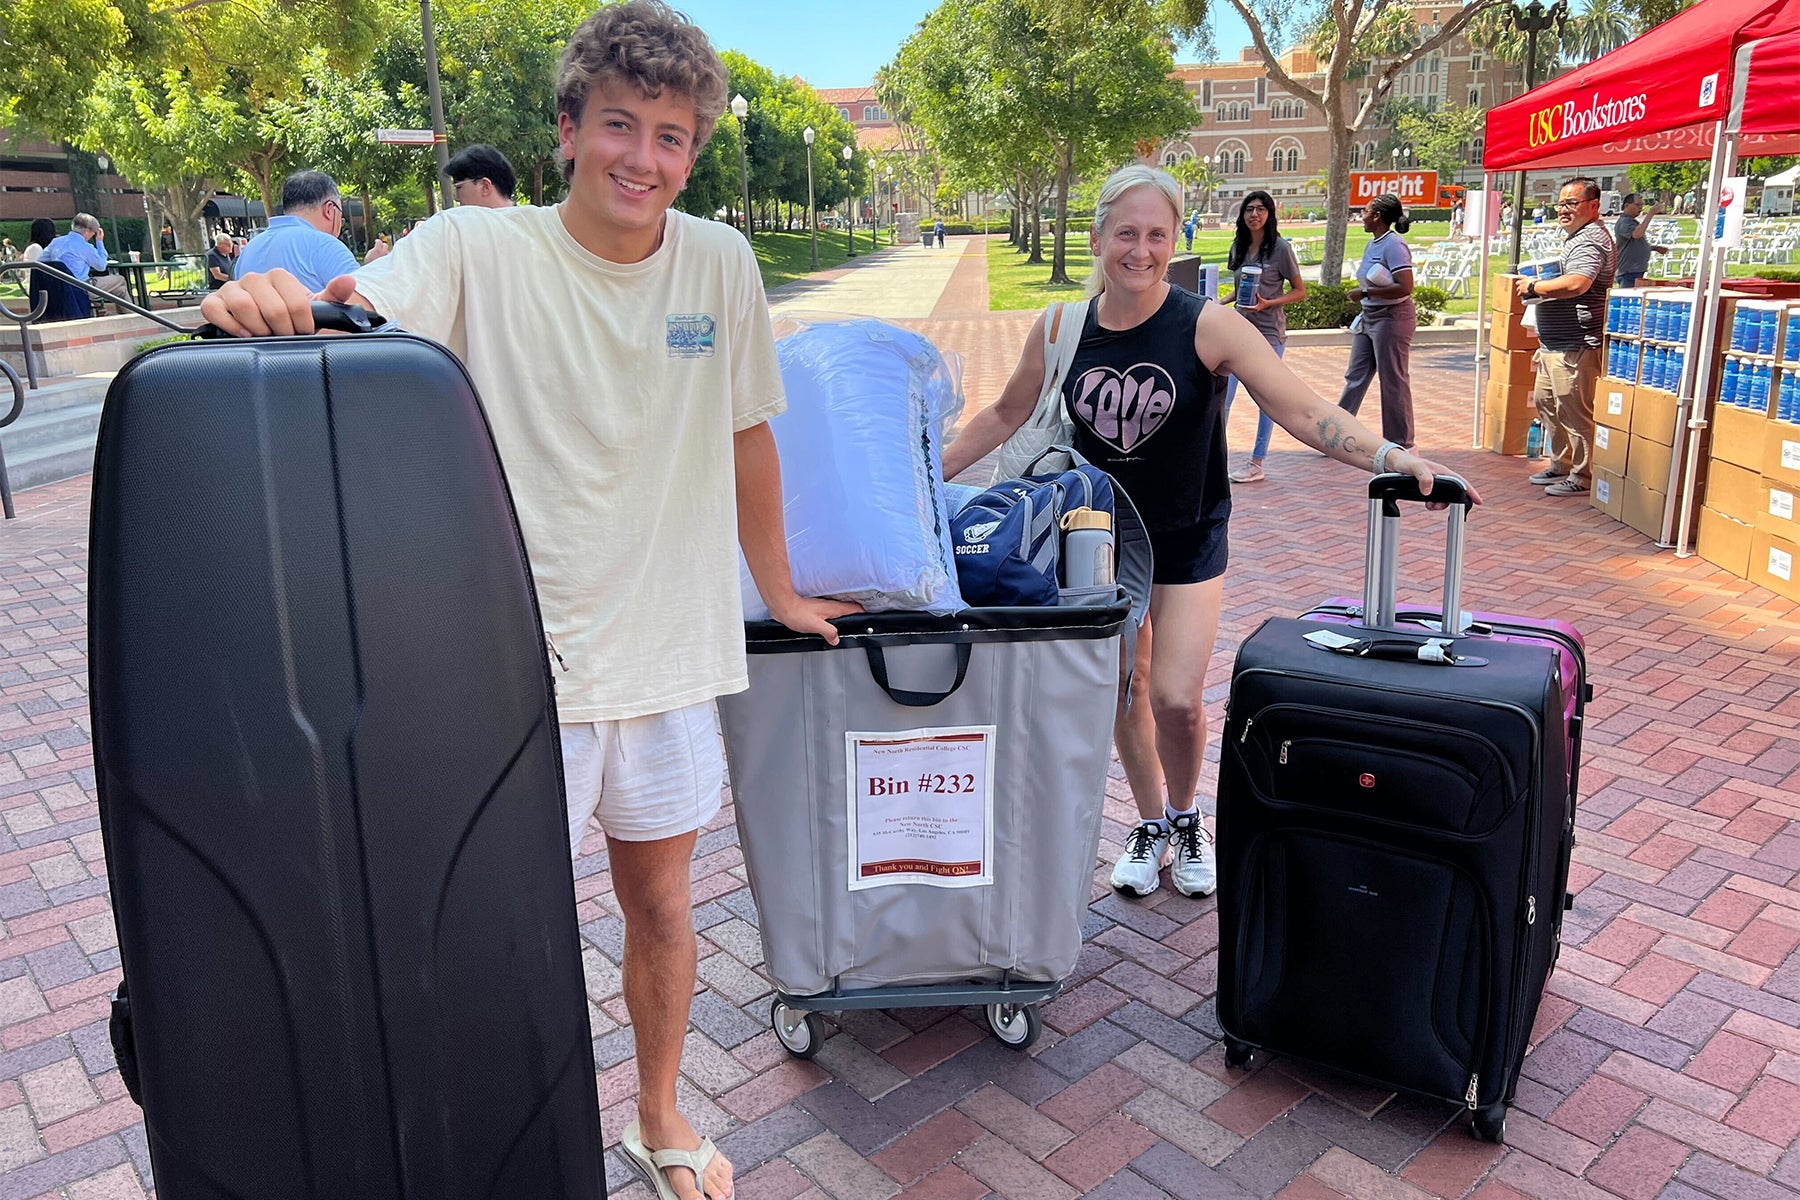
(1146, 396)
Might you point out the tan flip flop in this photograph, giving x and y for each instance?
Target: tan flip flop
(654, 1163)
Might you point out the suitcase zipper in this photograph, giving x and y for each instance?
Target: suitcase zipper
(1284, 751)
(1244, 734)
(1469, 1096)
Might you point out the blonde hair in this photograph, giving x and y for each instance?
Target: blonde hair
(1121, 181)
(650, 46)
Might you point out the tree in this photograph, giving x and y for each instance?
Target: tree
(1196, 174)
(1037, 92)
(1602, 27)
(168, 137)
(1359, 44)
(1440, 139)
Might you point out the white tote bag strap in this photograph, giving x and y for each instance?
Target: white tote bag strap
(1048, 425)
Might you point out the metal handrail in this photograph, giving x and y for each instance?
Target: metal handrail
(18, 406)
(24, 321)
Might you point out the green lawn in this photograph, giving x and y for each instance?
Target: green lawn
(1014, 283)
(785, 257)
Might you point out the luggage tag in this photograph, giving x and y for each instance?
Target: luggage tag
(1438, 650)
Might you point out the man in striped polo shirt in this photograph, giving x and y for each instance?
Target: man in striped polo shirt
(1571, 320)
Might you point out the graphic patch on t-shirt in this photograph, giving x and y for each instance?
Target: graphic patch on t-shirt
(691, 335)
(1125, 410)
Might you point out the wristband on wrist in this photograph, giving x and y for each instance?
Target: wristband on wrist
(1531, 290)
(1381, 455)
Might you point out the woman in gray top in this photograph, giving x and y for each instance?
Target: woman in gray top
(1266, 279)
(1381, 338)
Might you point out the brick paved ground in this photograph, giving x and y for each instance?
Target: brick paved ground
(1667, 1062)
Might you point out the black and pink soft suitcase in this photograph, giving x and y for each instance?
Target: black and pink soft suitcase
(330, 784)
(1396, 813)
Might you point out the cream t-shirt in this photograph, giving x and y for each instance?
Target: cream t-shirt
(613, 391)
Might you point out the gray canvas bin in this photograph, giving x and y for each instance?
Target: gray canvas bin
(1047, 679)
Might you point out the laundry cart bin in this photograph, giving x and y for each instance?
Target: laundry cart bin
(919, 805)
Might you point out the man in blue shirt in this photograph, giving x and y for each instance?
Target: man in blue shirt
(82, 251)
(304, 238)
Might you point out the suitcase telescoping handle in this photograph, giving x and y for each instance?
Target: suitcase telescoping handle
(335, 318)
(1381, 564)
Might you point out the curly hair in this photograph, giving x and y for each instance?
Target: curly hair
(650, 46)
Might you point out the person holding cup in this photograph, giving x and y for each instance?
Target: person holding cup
(1381, 338)
(1266, 272)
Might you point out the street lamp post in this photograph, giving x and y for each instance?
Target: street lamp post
(812, 220)
(105, 166)
(434, 93)
(1531, 20)
(893, 209)
(1219, 188)
(849, 204)
(740, 108)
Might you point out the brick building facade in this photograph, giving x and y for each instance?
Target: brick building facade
(34, 182)
(1279, 142)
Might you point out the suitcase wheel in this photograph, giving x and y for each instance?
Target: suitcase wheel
(802, 1033)
(1238, 1054)
(1489, 1124)
(1016, 1025)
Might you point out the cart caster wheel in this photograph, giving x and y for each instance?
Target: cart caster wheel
(1238, 1054)
(802, 1033)
(1489, 1124)
(1016, 1025)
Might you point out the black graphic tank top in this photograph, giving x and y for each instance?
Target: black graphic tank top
(1148, 412)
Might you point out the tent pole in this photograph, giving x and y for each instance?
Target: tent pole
(1481, 312)
(1691, 408)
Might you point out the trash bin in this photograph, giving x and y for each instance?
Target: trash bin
(919, 806)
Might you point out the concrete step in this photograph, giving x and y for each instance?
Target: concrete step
(36, 429)
(53, 439)
(60, 391)
(50, 463)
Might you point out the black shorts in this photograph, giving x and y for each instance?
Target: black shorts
(1193, 553)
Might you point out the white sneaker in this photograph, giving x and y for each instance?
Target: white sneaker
(1195, 872)
(1139, 866)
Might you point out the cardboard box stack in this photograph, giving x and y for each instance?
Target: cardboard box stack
(1510, 372)
(1749, 524)
(1615, 398)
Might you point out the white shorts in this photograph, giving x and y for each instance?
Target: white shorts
(646, 778)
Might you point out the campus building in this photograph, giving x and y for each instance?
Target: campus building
(1275, 140)
(35, 182)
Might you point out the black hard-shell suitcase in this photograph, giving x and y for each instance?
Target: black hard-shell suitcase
(331, 784)
(1395, 820)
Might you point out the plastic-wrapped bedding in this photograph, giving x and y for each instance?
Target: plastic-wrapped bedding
(861, 448)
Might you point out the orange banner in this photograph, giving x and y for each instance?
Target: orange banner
(1413, 187)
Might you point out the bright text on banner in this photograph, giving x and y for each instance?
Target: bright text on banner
(1413, 187)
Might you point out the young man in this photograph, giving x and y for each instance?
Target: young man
(480, 176)
(627, 364)
(1571, 324)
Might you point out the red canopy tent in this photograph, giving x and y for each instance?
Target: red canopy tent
(1718, 80)
(1661, 97)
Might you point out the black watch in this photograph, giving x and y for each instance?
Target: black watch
(1531, 290)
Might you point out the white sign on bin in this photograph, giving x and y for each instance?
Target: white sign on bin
(405, 137)
(921, 807)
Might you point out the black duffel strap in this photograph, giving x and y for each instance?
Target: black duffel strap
(878, 668)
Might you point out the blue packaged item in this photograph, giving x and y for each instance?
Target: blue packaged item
(861, 444)
(1728, 386)
(1009, 538)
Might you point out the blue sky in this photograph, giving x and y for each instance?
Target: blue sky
(840, 44)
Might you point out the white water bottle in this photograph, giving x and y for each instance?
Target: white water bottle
(1087, 548)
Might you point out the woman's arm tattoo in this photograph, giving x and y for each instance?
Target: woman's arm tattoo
(1332, 437)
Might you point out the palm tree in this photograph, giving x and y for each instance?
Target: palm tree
(1602, 27)
(1195, 174)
